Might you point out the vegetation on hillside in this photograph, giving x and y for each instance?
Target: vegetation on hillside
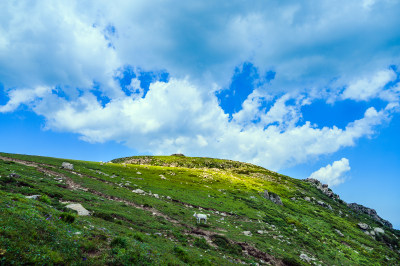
(142, 213)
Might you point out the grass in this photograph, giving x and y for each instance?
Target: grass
(158, 227)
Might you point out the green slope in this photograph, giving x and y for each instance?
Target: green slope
(155, 224)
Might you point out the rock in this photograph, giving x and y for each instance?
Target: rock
(272, 197)
(138, 173)
(178, 154)
(305, 258)
(68, 166)
(247, 233)
(163, 177)
(252, 197)
(33, 197)
(156, 196)
(266, 194)
(363, 226)
(138, 191)
(370, 212)
(14, 175)
(307, 199)
(323, 188)
(260, 232)
(79, 208)
(325, 205)
(379, 230)
(168, 197)
(339, 233)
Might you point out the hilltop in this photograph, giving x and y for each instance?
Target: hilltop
(139, 210)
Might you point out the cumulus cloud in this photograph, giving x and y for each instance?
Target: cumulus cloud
(54, 55)
(372, 87)
(332, 174)
(180, 117)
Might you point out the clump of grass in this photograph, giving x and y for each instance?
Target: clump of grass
(224, 244)
(182, 254)
(45, 199)
(119, 242)
(67, 217)
(201, 243)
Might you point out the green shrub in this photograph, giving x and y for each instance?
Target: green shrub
(181, 254)
(104, 216)
(67, 217)
(224, 244)
(138, 237)
(119, 242)
(45, 199)
(201, 243)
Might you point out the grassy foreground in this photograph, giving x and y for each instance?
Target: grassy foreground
(142, 214)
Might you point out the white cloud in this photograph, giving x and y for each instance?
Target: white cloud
(311, 47)
(371, 87)
(332, 174)
(23, 96)
(180, 117)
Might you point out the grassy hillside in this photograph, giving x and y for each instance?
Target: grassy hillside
(142, 213)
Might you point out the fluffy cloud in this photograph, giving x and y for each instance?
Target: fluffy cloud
(332, 174)
(53, 55)
(180, 117)
(372, 87)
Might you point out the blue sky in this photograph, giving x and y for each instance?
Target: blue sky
(303, 88)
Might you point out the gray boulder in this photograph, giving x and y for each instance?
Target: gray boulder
(363, 226)
(273, 197)
(68, 166)
(78, 208)
(33, 197)
(370, 212)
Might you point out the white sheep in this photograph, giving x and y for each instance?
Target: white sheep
(200, 217)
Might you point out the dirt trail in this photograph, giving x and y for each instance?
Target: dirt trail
(195, 231)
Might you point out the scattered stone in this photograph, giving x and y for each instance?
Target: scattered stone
(305, 258)
(272, 197)
(307, 199)
(168, 197)
(156, 196)
(163, 177)
(261, 232)
(79, 208)
(379, 230)
(293, 198)
(159, 234)
(325, 205)
(68, 166)
(247, 233)
(138, 191)
(339, 233)
(14, 175)
(35, 197)
(363, 226)
(138, 173)
(370, 212)
(252, 197)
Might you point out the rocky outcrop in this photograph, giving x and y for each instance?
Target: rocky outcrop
(78, 208)
(323, 188)
(370, 212)
(272, 197)
(68, 166)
